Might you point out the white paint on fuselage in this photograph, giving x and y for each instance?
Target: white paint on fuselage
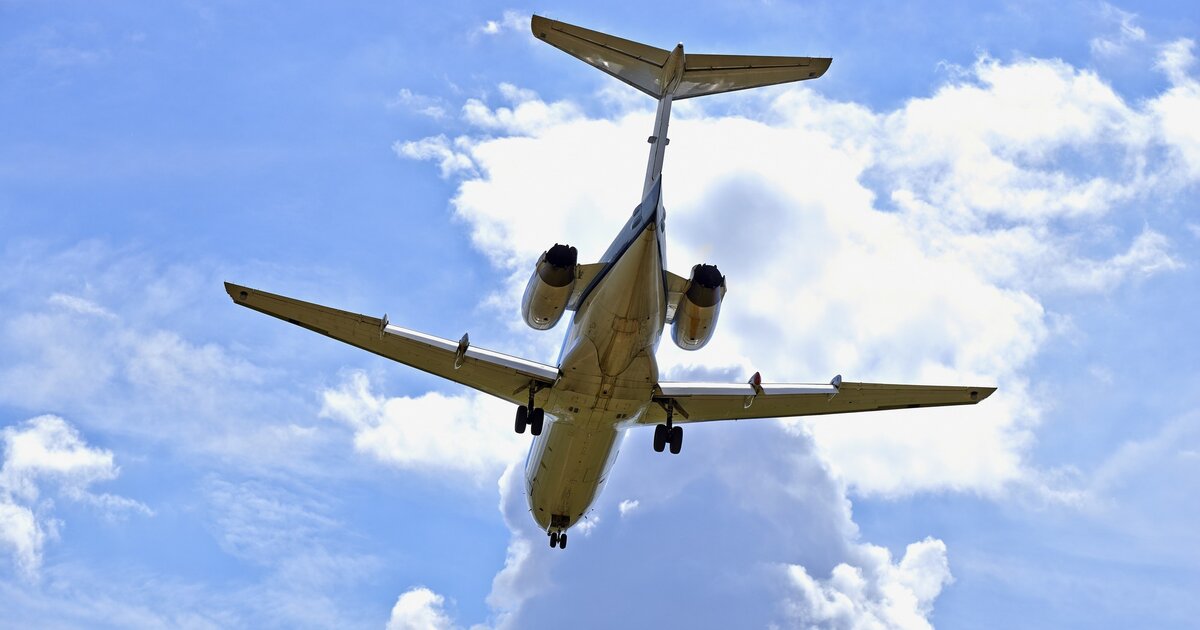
(608, 373)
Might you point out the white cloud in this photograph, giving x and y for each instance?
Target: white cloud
(587, 525)
(469, 434)
(1176, 60)
(867, 588)
(124, 374)
(510, 21)
(430, 106)
(1127, 32)
(627, 506)
(1175, 110)
(528, 114)
(80, 305)
(876, 594)
(450, 156)
(419, 609)
(45, 454)
(944, 284)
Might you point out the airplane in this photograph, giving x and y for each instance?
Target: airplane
(606, 379)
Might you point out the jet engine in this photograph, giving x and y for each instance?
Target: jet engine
(696, 316)
(550, 287)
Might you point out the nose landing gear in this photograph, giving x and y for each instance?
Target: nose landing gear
(558, 539)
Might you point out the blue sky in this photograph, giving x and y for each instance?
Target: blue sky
(996, 193)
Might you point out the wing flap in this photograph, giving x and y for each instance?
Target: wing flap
(495, 373)
(702, 402)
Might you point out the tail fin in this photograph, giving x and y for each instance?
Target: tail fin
(659, 72)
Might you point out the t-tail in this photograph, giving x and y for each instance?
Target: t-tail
(669, 75)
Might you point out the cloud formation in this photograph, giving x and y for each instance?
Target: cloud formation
(878, 594)
(419, 609)
(46, 458)
(919, 244)
(916, 244)
(433, 432)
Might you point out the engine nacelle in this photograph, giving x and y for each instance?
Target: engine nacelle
(550, 287)
(696, 316)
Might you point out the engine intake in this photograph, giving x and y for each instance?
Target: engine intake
(696, 316)
(550, 287)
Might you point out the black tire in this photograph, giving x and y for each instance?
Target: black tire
(536, 420)
(660, 437)
(553, 539)
(522, 418)
(676, 440)
(562, 540)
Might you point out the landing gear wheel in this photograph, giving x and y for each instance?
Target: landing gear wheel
(554, 540)
(676, 440)
(562, 540)
(523, 419)
(536, 419)
(660, 437)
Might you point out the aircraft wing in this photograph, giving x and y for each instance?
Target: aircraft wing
(500, 375)
(702, 402)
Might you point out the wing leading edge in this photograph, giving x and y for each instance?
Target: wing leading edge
(501, 375)
(703, 402)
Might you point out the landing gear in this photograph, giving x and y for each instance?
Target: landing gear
(660, 437)
(522, 418)
(553, 539)
(558, 539)
(530, 416)
(676, 440)
(668, 434)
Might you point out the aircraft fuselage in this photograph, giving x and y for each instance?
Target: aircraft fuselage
(608, 373)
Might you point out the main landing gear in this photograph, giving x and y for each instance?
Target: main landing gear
(558, 539)
(530, 416)
(532, 420)
(668, 434)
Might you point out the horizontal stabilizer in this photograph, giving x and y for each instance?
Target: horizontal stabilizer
(659, 72)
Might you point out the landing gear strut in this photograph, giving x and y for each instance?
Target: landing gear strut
(668, 434)
(530, 416)
(558, 539)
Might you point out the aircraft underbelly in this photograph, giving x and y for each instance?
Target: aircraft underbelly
(568, 468)
(607, 379)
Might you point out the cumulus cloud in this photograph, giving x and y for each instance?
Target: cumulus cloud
(879, 594)
(467, 434)
(738, 513)
(1176, 108)
(526, 115)
(926, 238)
(627, 506)
(450, 155)
(47, 456)
(419, 609)
(510, 21)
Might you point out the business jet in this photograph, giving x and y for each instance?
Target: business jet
(606, 380)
